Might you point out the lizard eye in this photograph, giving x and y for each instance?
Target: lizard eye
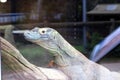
(43, 31)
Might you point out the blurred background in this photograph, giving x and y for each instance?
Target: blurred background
(83, 23)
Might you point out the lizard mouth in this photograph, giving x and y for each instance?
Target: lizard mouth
(30, 35)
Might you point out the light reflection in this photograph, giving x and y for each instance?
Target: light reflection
(3, 1)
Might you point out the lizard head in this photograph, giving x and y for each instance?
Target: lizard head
(38, 34)
(44, 37)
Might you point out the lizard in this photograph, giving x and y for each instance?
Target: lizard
(68, 59)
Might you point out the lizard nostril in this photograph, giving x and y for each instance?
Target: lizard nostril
(28, 33)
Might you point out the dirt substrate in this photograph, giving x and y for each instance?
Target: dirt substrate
(112, 64)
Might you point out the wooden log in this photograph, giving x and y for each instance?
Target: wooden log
(19, 68)
(7, 30)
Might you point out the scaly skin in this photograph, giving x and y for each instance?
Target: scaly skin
(72, 62)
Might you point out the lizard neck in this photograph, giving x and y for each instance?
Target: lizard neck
(68, 55)
(65, 60)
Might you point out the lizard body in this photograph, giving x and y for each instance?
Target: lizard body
(72, 62)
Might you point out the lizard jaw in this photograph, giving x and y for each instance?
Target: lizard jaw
(32, 36)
